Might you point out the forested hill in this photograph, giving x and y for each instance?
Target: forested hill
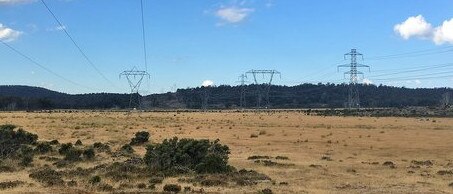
(301, 96)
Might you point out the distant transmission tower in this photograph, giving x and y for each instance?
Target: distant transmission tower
(205, 98)
(353, 97)
(446, 98)
(263, 88)
(242, 81)
(135, 79)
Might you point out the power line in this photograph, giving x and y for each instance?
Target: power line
(43, 67)
(414, 53)
(414, 70)
(76, 45)
(144, 36)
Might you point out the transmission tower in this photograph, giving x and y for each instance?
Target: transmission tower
(446, 98)
(353, 97)
(135, 78)
(264, 87)
(242, 81)
(205, 98)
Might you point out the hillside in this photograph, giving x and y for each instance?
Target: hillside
(224, 97)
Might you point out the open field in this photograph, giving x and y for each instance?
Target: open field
(325, 154)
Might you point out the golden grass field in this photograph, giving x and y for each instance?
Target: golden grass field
(326, 154)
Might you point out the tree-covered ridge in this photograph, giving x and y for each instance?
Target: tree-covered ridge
(225, 97)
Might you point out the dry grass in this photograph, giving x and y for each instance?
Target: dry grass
(326, 154)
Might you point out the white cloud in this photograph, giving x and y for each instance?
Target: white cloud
(444, 33)
(8, 34)
(233, 14)
(207, 83)
(57, 28)
(367, 81)
(414, 27)
(12, 2)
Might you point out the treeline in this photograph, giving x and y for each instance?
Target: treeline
(225, 97)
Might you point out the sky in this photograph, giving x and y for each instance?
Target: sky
(193, 42)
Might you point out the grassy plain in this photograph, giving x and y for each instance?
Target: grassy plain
(325, 154)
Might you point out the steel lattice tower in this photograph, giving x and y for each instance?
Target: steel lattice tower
(353, 97)
(263, 87)
(242, 81)
(135, 79)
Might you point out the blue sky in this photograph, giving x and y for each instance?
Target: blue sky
(190, 41)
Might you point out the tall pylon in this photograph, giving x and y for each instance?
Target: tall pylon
(353, 97)
(242, 81)
(263, 87)
(445, 101)
(135, 78)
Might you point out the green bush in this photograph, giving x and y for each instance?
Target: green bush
(140, 138)
(78, 143)
(95, 180)
(101, 147)
(26, 155)
(172, 188)
(126, 148)
(11, 141)
(43, 147)
(64, 148)
(89, 153)
(201, 156)
(73, 155)
(47, 176)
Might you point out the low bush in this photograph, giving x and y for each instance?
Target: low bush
(172, 188)
(64, 148)
(140, 138)
(12, 140)
(101, 147)
(127, 149)
(73, 155)
(94, 180)
(89, 154)
(10, 184)
(43, 147)
(78, 143)
(47, 176)
(202, 156)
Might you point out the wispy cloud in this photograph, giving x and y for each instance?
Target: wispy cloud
(8, 34)
(13, 2)
(56, 28)
(233, 15)
(418, 27)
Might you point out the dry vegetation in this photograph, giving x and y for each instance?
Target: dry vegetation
(281, 152)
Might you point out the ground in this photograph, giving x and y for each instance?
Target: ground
(325, 154)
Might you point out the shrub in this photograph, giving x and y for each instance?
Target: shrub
(202, 156)
(54, 142)
(64, 148)
(47, 176)
(89, 153)
(11, 141)
(78, 143)
(26, 155)
(101, 147)
(172, 188)
(43, 147)
(140, 138)
(266, 191)
(95, 180)
(156, 180)
(126, 148)
(10, 184)
(73, 155)
(141, 186)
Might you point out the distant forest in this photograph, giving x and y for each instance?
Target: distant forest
(225, 97)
